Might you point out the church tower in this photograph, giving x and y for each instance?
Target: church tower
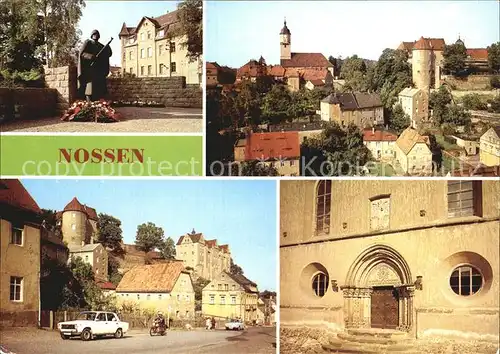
(285, 43)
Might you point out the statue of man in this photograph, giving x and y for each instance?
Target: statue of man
(93, 68)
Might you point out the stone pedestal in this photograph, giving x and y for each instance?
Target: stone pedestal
(64, 80)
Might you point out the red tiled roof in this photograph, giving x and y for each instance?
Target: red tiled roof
(378, 135)
(478, 53)
(211, 243)
(106, 285)
(306, 60)
(151, 278)
(13, 193)
(424, 43)
(74, 205)
(276, 70)
(91, 213)
(251, 69)
(310, 74)
(225, 248)
(269, 146)
(195, 237)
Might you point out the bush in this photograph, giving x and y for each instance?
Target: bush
(495, 105)
(495, 81)
(474, 102)
(32, 78)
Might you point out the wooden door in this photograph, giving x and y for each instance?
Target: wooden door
(384, 307)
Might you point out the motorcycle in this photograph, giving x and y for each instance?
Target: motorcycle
(157, 329)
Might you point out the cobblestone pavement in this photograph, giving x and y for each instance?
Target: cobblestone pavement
(310, 340)
(254, 340)
(134, 120)
(34, 341)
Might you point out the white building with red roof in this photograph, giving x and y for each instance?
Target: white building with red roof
(381, 143)
(280, 150)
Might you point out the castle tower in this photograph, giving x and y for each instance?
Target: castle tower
(422, 64)
(123, 40)
(74, 224)
(285, 43)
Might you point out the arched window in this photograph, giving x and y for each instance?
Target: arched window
(320, 284)
(323, 203)
(466, 280)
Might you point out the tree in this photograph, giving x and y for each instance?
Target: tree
(235, 269)
(190, 17)
(335, 152)
(454, 57)
(495, 104)
(457, 115)
(438, 102)
(149, 237)
(399, 120)
(110, 232)
(114, 274)
(473, 101)
(494, 57)
(248, 104)
(49, 221)
(266, 294)
(276, 104)
(198, 286)
(168, 249)
(354, 73)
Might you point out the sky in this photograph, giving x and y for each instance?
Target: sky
(108, 18)
(239, 31)
(239, 213)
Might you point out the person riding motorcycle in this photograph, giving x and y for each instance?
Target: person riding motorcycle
(160, 320)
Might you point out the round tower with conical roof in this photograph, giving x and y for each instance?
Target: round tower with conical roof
(422, 64)
(74, 224)
(285, 43)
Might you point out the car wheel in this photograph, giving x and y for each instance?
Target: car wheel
(63, 336)
(86, 334)
(118, 333)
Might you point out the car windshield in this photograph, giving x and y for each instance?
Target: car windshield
(88, 316)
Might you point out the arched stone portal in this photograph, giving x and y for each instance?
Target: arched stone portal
(379, 273)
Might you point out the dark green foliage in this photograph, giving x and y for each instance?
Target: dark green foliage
(198, 286)
(149, 237)
(168, 249)
(190, 16)
(110, 232)
(335, 152)
(235, 269)
(398, 119)
(454, 57)
(494, 57)
(473, 101)
(253, 168)
(438, 102)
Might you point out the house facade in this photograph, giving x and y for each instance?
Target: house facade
(413, 152)
(165, 287)
(419, 257)
(415, 104)
(380, 143)
(364, 110)
(154, 48)
(94, 254)
(206, 257)
(489, 147)
(280, 150)
(19, 255)
(231, 296)
(212, 72)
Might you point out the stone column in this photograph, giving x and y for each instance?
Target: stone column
(64, 80)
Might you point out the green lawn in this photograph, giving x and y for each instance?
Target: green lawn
(444, 144)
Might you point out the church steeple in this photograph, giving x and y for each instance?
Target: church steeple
(285, 42)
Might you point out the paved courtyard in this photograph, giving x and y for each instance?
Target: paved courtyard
(134, 120)
(258, 340)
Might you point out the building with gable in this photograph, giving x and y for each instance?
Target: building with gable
(381, 143)
(413, 152)
(154, 49)
(231, 296)
(280, 150)
(489, 147)
(20, 220)
(206, 257)
(165, 287)
(364, 110)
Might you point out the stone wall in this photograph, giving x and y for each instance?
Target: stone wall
(18, 319)
(471, 82)
(27, 103)
(171, 91)
(64, 81)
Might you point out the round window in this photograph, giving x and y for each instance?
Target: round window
(466, 280)
(320, 284)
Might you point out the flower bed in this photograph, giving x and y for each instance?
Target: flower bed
(97, 111)
(137, 104)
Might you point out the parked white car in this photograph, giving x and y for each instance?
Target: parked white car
(235, 325)
(90, 324)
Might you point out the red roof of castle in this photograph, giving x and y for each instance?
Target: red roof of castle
(13, 193)
(268, 146)
(306, 60)
(74, 205)
(478, 53)
(211, 243)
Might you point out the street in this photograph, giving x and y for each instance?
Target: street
(134, 120)
(255, 340)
